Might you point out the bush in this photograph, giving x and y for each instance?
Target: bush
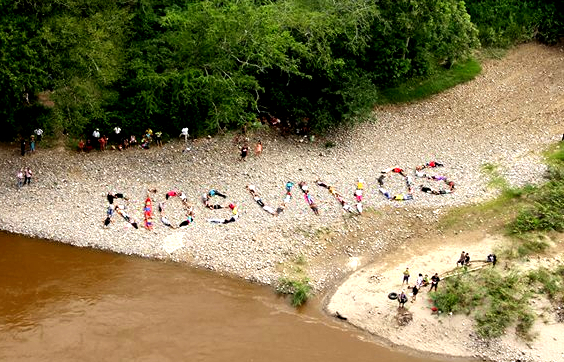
(300, 290)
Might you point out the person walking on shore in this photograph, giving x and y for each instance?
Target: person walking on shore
(258, 148)
(20, 178)
(28, 175)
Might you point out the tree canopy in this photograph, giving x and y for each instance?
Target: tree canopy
(213, 65)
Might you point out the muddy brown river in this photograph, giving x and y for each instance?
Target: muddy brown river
(62, 303)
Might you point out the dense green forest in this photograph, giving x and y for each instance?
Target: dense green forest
(74, 65)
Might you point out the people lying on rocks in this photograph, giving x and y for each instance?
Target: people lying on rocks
(285, 202)
(166, 222)
(419, 172)
(111, 196)
(345, 205)
(189, 220)
(213, 192)
(438, 178)
(183, 198)
(206, 201)
(171, 193)
(149, 222)
(289, 186)
(399, 170)
(311, 203)
(403, 197)
(429, 190)
(381, 180)
(358, 195)
(259, 201)
(121, 211)
(233, 218)
(360, 184)
(409, 184)
(432, 164)
(385, 192)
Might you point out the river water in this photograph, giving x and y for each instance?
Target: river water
(62, 303)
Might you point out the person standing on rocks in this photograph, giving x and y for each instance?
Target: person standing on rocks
(405, 276)
(20, 178)
(184, 133)
(159, 138)
(258, 148)
(28, 175)
(244, 152)
(435, 281)
(32, 144)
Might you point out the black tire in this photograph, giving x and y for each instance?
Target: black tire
(393, 296)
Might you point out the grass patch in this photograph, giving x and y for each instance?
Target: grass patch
(298, 289)
(496, 301)
(420, 88)
(549, 283)
(496, 180)
(545, 210)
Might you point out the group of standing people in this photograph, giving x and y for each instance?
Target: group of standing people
(33, 139)
(422, 281)
(24, 177)
(124, 142)
(245, 150)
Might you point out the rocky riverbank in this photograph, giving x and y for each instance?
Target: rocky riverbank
(505, 118)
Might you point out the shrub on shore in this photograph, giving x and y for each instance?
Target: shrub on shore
(299, 289)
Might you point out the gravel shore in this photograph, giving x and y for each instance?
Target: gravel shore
(506, 117)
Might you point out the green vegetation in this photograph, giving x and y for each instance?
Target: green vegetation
(502, 23)
(423, 87)
(496, 180)
(545, 209)
(299, 289)
(495, 300)
(498, 299)
(210, 65)
(295, 282)
(551, 282)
